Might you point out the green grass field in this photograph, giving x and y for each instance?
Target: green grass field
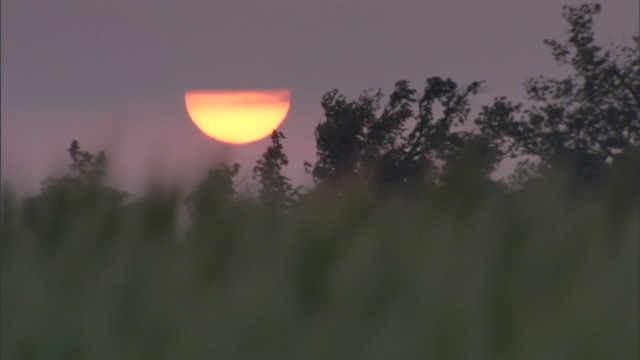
(533, 275)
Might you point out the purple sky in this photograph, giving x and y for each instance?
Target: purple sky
(112, 73)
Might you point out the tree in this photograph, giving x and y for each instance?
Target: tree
(87, 173)
(393, 149)
(584, 122)
(276, 191)
(469, 160)
(216, 191)
(85, 169)
(79, 194)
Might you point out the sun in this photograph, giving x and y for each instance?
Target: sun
(238, 117)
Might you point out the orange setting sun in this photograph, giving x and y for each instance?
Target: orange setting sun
(238, 117)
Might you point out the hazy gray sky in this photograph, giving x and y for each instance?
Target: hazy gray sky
(112, 73)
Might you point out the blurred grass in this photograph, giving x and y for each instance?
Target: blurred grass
(451, 275)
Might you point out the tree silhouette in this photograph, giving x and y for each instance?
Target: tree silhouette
(216, 191)
(85, 169)
(80, 193)
(469, 160)
(587, 120)
(275, 191)
(87, 172)
(390, 149)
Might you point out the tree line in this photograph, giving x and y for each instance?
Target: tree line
(586, 125)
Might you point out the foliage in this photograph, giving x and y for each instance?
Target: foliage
(396, 147)
(80, 193)
(216, 189)
(469, 160)
(521, 275)
(587, 120)
(156, 213)
(85, 171)
(275, 191)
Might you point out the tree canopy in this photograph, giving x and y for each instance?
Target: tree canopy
(393, 147)
(217, 188)
(275, 190)
(81, 191)
(587, 120)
